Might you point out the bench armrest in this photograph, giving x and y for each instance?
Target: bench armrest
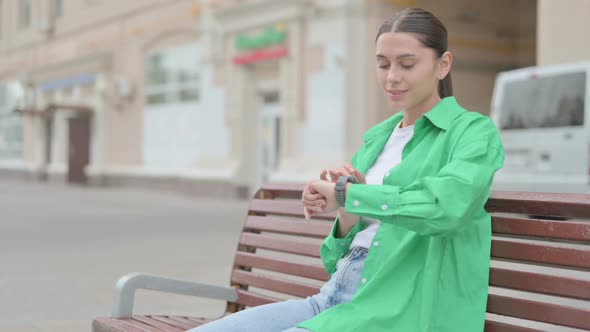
(129, 283)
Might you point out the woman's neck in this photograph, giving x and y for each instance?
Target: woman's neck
(416, 112)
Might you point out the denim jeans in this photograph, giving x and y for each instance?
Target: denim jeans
(284, 316)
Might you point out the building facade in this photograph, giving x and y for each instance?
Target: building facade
(217, 97)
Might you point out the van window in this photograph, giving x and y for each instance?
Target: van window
(543, 102)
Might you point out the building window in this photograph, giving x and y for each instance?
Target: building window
(11, 125)
(57, 8)
(25, 9)
(173, 76)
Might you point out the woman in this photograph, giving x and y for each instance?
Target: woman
(410, 249)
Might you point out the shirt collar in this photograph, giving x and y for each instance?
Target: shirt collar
(383, 127)
(441, 115)
(444, 113)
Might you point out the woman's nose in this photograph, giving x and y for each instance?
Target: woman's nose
(393, 76)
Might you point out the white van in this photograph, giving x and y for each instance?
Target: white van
(543, 116)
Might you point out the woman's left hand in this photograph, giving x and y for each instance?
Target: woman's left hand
(326, 189)
(313, 201)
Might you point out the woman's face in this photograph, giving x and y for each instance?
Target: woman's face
(408, 71)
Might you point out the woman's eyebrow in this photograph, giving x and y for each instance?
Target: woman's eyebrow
(405, 55)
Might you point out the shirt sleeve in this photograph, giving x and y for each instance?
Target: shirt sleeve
(334, 248)
(440, 204)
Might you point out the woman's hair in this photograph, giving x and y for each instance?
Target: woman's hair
(430, 32)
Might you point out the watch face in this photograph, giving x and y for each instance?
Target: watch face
(342, 180)
(346, 178)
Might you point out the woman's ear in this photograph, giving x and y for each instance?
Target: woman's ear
(444, 65)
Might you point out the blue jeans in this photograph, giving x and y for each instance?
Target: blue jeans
(284, 316)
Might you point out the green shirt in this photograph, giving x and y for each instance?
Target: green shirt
(428, 267)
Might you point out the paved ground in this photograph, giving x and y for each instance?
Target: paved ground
(62, 248)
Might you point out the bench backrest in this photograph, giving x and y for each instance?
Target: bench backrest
(540, 269)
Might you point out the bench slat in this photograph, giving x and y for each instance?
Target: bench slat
(565, 254)
(544, 204)
(282, 245)
(296, 288)
(183, 320)
(173, 322)
(498, 323)
(276, 265)
(155, 323)
(542, 283)
(292, 208)
(284, 190)
(108, 324)
(199, 321)
(550, 204)
(536, 205)
(250, 299)
(495, 326)
(575, 230)
(288, 226)
(527, 307)
(278, 207)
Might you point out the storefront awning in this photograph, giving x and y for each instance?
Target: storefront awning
(67, 82)
(51, 108)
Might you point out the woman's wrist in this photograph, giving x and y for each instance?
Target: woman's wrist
(345, 222)
(346, 189)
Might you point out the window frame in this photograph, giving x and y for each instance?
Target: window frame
(172, 89)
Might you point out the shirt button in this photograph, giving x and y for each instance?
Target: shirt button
(387, 174)
(364, 280)
(375, 244)
(384, 207)
(357, 203)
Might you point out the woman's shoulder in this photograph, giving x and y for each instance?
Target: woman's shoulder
(472, 126)
(473, 120)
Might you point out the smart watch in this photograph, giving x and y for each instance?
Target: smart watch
(340, 187)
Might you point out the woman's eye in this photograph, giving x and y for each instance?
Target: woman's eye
(407, 66)
(384, 66)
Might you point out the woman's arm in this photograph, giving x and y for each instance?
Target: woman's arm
(346, 225)
(346, 222)
(439, 204)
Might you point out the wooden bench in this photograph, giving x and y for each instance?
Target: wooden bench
(539, 276)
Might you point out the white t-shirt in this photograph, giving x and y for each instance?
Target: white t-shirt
(390, 156)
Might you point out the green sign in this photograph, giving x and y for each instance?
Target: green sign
(270, 36)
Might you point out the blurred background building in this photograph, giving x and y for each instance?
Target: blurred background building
(216, 97)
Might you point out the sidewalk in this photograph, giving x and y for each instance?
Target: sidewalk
(62, 248)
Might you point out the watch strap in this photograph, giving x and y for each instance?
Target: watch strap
(340, 187)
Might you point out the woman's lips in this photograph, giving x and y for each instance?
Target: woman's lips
(396, 94)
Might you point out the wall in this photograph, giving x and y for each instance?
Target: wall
(563, 31)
